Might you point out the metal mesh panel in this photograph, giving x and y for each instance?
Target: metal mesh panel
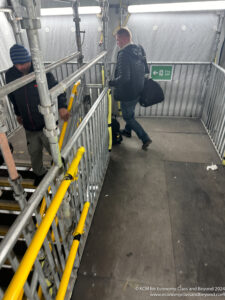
(92, 133)
(213, 116)
(183, 94)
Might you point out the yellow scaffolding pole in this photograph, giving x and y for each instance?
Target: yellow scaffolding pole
(63, 131)
(110, 118)
(73, 252)
(28, 260)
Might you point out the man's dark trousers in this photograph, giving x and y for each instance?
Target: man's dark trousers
(128, 111)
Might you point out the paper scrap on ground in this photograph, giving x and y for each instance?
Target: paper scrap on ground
(212, 167)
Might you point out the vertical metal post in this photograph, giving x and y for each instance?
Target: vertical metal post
(105, 7)
(218, 34)
(15, 21)
(32, 24)
(15, 27)
(76, 20)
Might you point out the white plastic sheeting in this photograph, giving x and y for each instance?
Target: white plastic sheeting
(175, 37)
(57, 36)
(6, 41)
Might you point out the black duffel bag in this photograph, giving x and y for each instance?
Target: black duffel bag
(151, 94)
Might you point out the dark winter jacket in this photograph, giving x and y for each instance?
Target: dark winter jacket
(26, 99)
(130, 70)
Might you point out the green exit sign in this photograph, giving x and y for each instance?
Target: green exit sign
(160, 72)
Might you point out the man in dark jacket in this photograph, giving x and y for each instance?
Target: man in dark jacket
(25, 101)
(130, 71)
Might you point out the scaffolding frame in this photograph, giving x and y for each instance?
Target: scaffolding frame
(47, 107)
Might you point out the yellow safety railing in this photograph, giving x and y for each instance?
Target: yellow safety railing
(61, 139)
(72, 255)
(223, 161)
(119, 108)
(63, 131)
(110, 118)
(103, 76)
(20, 277)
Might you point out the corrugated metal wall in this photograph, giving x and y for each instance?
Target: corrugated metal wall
(184, 95)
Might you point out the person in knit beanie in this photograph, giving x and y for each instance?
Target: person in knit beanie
(25, 101)
(20, 58)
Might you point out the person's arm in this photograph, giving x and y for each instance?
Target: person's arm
(13, 101)
(145, 60)
(123, 70)
(62, 106)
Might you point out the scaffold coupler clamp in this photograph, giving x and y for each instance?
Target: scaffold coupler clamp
(18, 191)
(27, 23)
(49, 111)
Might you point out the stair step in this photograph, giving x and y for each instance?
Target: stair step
(3, 230)
(26, 174)
(9, 205)
(26, 183)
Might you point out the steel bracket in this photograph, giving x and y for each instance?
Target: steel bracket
(47, 110)
(51, 133)
(28, 23)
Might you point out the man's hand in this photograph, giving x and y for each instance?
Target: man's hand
(19, 120)
(64, 114)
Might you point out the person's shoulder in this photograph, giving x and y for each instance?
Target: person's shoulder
(10, 70)
(10, 73)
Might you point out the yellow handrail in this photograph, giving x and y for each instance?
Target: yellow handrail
(63, 131)
(103, 76)
(72, 255)
(110, 119)
(28, 260)
(119, 108)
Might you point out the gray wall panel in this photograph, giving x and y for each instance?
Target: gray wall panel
(175, 37)
(57, 36)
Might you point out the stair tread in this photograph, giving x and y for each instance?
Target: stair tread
(3, 230)
(25, 174)
(26, 183)
(9, 205)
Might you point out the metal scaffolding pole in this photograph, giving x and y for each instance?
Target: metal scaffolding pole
(15, 21)
(218, 35)
(18, 83)
(32, 24)
(76, 19)
(105, 9)
(64, 84)
(15, 25)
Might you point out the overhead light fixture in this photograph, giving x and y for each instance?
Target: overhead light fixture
(182, 6)
(66, 11)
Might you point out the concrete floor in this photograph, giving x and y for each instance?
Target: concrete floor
(160, 219)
